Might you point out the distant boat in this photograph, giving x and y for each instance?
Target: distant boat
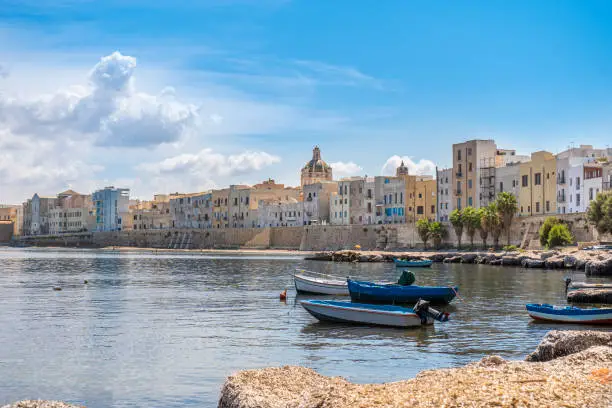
(416, 263)
(319, 284)
(378, 315)
(584, 285)
(371, 292)
(569, 314)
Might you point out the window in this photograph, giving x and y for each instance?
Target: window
(470, 166)
(385, 199)
(459, 168)
(501, 186)
(420, 209)
(470, 183)
(577, 199)
(459, 158)
(547, 176)
(537, 179)
(538, 207)
(469, 151)
(459, 187)
(433, 209)
(521, 208)
(420, 195)
(525, 180)
(459, 203)
(395, 198)
(470, 201)
(578, 184)
(513, 183)
(547, 206)
(401, 198)
(345, 189)
(591, 193)
(528, 208)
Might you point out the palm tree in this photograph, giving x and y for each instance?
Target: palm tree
(423, 230)
(492, 222)
(437, 231)
(456, 219)
(484, 231)
(471, 221)
(506, 207)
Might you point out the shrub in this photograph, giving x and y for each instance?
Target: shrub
(510, 248)
(600, 213)
(545, 229)
(559, 235)
(437, 232)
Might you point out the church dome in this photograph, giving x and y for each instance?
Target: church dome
(316, 164)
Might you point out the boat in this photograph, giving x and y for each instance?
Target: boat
(371, 292)
(377, 315)
(319, 283)
(416, 263)
(584, 285)
(569, 314)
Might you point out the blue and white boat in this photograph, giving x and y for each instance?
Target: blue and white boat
(416, 263)
(377, 315)
(319, 284)
(390, 294)
(569, 314)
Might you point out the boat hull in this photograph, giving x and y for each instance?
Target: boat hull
(356, 313)
(583, 285)
(412, 264)
(318, 286)
(368, 292)
(569, 314)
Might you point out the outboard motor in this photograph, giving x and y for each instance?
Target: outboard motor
(424, 311)
(568, 280)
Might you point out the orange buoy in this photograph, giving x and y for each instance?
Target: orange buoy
(283, 295)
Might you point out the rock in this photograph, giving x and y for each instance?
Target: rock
(468, 258)
(40, 404)
(510, 261)
(554, 263)
(570, 262)
(364, 258)
(494, 262)
(547, 254)
(437, 257)
(599, 268)
(580, 265)
(559, 343)
(590, 296)
(377, 258)
(532, 263)
(454, 259)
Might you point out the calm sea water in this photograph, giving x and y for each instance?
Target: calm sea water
(166, 330)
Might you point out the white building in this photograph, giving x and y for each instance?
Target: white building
(390, 200)
(286, 213)
(445, 184)
(191, 210)
(111, 206)
(507, 179)
(316, 201)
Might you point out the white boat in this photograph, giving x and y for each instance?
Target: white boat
(378, 315)
(584, 285)
(319, 284)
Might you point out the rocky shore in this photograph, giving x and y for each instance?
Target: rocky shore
(568, 369)
(593, 262)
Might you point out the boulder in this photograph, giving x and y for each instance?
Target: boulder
(453, 259)
(590, 296)
(468, 258)
(377, 258)
(570, 261)
(580, 265)
(532, 263)
(437, 257)
(547, 254)
(559, 343)
(599, 268)
(554, 263)
(497, 261)
(510, 260)
(364, 258)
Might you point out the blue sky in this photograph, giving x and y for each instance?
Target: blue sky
(256, 83)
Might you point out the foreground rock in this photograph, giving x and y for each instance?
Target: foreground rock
(40, 404)
(580, 379)
(590, 296)
(558, 343)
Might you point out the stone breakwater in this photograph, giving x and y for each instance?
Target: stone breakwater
(568, 369)
(593, 262)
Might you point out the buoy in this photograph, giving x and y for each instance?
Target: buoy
(57, 288)
(86, 282)
(283, 295)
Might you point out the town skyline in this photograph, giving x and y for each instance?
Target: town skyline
(188, 99)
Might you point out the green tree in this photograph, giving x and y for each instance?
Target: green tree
(471, 221)
(559, 235)
(600, 213)
(492, 222)
(545, 229)
(437, 232)
(506, 206)
(484, 231)
(423, 229)
(456, 220)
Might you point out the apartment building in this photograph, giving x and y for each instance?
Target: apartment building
(538, 189)
(220, 214)
(317, 200)
(445, 201)
(469, 160)
(111, 207)
(507, 179)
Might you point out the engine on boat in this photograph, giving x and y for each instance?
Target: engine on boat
(423, 310)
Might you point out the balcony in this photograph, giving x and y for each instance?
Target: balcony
(459, 174)
(458, 192)
(561, 199)
(561, 180)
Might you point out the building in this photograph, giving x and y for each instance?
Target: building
(317, 200)
(36, 214)
(390, 200)
(421, 193)
(507, 179)
(239, 205)
(11, 213)
(473, 163)
(111, 208)
(354, 202)
(585, 151)
(220, 214)
(194, 210)
(74, 212)
(607, 176)
(316, 169)
(445, 200)
(584, 182)
(153, 214)
(538, 189)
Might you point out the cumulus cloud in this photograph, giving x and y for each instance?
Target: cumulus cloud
(342, 169)
(422, 167)
(208, 163)
(109, 110)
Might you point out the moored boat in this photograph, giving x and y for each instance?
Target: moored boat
(378, 315)
(585, 285)
(416, 263)
(371, 292)
(569, 314)
(319, 284)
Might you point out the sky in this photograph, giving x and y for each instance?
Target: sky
(183, 96)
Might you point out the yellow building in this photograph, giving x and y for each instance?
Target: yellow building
(421, 195)
(11, 214)
(538, 189)
(220, 214)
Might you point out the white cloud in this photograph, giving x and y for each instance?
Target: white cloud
(422, 167)
(342, 169)
(207, 163)
(3, 72)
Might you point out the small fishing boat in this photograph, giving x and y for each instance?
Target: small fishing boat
(416, 263)
(584, 285)
(569, 314)
(319, 283)
(371, 292)
(378, 315)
